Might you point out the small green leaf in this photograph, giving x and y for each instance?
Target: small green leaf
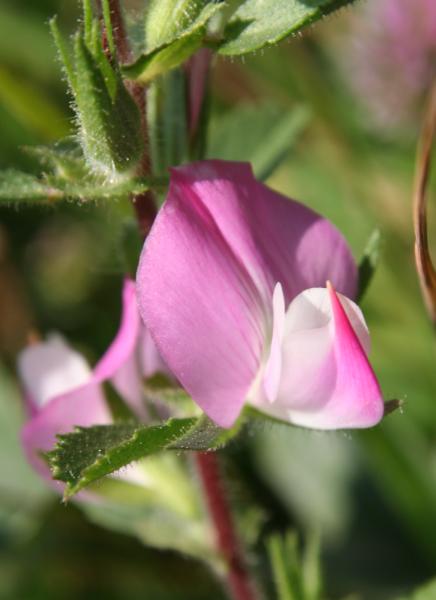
(63, 159)
(369, 262)
(108, 25)
(16, 187)
(262, 135)
(87, 454)
(63, 52)
(205, 435)
(168, 20)
(174, 46)
(259, 23)
(21, 187)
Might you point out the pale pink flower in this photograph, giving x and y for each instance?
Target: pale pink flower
(62, 391)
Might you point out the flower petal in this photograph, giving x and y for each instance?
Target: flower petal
(84, 406)
(275, 238)
(48, 369)
(326, 381)
(200, 304)
(273, 367)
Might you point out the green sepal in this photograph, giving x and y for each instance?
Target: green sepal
(107, 116)
(110, 128)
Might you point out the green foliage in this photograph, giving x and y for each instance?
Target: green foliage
(296, 576)
(31, 105)
(424, 592)
(66, 176)
(261, 135)
(88, 454)
(369, 262)
(164, 510)
(259, 23)
(166, 115)
(108, 118)
(171, 41)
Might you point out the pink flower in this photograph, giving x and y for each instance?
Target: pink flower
(62, 391)
(231, 285)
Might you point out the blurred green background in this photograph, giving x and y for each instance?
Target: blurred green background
(371, 494)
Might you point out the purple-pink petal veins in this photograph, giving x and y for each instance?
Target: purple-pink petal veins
(275, 238)
(208, 270)
(201, 306)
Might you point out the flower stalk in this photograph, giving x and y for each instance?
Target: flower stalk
(239, 582)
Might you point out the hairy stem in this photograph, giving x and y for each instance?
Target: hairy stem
(144, 204)
(239, 581)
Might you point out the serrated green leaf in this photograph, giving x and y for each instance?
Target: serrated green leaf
(262, 135)
(259, 23)
(88, 454)
(205, 435)
(369, 262)
(177, 49)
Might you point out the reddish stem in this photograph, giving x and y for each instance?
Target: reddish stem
(239, 582)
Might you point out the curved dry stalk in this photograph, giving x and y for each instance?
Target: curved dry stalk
(424, 264)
